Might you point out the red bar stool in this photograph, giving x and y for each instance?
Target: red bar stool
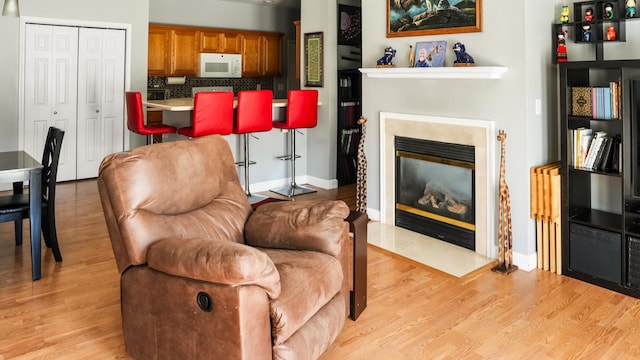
(135, 118)
(302, 112)
(254, 113)
(212, 114)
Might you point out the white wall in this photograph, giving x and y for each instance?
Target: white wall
(116, 11)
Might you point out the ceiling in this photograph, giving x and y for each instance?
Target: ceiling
(292, 4)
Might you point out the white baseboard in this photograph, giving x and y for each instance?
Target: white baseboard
(305, 179)
(373, 214)
(525, 262)
(321, 183)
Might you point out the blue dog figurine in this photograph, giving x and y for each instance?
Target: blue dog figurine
(461, 54)
(387, 59)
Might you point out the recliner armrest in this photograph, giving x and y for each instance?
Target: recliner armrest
(299, 225)
(221, 262)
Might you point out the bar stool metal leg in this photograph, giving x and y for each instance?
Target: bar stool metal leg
(251, 197)
(292, 189)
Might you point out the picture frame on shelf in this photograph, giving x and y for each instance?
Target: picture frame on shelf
(433, 17)
(313, 60)
(430, 54)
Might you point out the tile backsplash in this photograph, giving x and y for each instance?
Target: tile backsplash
(266, 83)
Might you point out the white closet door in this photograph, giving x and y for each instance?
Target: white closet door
(101, 72)
(50, 98)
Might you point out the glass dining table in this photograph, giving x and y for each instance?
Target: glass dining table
(19, 166)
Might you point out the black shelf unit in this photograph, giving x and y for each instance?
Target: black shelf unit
(349, 131)
(601, 208)
(599, 25)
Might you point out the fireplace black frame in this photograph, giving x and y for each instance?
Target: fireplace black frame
(437, 229)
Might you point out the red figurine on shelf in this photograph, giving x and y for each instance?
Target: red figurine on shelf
(588, 14)
(611, 33)
(561, 51)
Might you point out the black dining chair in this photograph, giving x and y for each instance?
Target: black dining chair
(15, 207)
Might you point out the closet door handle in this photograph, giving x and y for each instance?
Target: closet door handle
(97, 111)
(55, 113)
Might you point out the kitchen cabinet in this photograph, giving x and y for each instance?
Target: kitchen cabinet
(272, 55)
(174, 50)
(297, 25)
(251, 55)
(154, 117)
(159, 58)
(185, 47)
(218, 41)
(261, 54)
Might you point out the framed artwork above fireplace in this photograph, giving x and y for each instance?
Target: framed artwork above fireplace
(433, 17)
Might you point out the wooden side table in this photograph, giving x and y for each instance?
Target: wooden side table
(358, 296)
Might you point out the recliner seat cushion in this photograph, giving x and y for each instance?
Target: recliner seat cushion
(309, 280)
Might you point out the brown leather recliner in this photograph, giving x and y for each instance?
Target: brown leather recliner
(203, 276)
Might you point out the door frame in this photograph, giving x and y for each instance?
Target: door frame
(24, 20)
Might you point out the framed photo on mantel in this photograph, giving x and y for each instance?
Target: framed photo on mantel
(433, 17)
(313, 60)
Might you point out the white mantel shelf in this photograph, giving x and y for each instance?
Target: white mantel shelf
(460, 72)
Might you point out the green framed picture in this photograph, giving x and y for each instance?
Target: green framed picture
(313, 60)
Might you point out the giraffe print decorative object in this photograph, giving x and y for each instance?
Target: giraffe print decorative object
(361, 178)
(505, 239)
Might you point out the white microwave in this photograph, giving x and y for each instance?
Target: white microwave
(213, 65)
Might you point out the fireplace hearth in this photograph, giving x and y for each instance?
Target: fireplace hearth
(435, 189)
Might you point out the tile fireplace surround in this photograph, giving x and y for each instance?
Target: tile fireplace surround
(473, 132)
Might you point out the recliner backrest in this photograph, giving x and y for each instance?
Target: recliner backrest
(195, 193)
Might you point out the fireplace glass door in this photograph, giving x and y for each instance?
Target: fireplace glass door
(435, 185)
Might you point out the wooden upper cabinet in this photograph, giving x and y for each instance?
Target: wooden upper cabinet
(174, 50)
(252, 54)
(159, 60)
(272, 55)
(297, 25)
(261, 54)
(184, 52)
(220, 42)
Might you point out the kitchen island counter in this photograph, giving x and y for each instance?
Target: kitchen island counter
(186, 104)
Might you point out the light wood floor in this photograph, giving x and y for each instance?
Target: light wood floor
(413, 312)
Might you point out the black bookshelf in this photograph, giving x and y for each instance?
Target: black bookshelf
(601, 207)
(349, 131)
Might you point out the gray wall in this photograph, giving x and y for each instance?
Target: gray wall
(136, 14)
(223, 14)
(515, 34)
(517, 39)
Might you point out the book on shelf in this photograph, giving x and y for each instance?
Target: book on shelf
(595, 148)
(349, 139)
(615, 156)
(348, 111)
(581, 101)
(598, 102)
(603, 154)
(581, 141)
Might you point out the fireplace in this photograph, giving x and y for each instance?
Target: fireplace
(435, 189)
(473, 144)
